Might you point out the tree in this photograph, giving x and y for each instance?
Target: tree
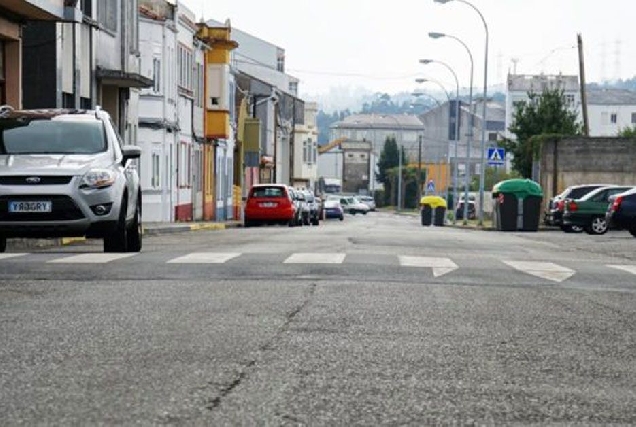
(545, 113)
(389, 158)
(628, 132)
(492, 177)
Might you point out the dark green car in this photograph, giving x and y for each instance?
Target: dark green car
(588, 212)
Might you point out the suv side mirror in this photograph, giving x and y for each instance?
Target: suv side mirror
(130, 152)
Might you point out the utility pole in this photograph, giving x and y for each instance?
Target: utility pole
(586, 121)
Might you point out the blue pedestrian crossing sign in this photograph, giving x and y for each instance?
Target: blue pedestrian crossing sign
(430, 186)
(496, 157)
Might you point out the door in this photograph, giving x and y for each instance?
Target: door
(3, 95)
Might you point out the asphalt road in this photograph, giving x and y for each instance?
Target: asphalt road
(374, 320)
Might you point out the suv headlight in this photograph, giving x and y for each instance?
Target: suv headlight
(98, 178)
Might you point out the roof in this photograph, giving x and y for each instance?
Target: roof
(380, 121)
(609, 96)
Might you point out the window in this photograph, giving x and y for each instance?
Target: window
(633, 118)
(52, 137)
(86, 6)
(614, 118)
(305, 152)
(184, 161)
(604, 118)
(293, 88)
(107, 14)
(156, 75)
(155, 180)
(492, 136)
(569, 100)
(185, 68)
(280, 63)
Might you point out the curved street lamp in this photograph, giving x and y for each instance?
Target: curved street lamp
(456, 168)
(448, 97)
(469, 134)
(484, 109)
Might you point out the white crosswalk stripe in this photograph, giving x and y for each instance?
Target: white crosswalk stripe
(96, 258)
(318, 258)
(627, 268)
(440, 266)
(204, 258)
(544, 270)
(9, 256)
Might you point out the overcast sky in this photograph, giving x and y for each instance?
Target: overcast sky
(377, 44)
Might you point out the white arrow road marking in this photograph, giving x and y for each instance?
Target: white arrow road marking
(627, 268)
(316, 259)
(7, 256)
(440, 266)
(96, 258)
(544, 270)
(204, 258)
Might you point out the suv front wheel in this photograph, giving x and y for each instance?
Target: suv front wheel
(134, 235)
(117, 241)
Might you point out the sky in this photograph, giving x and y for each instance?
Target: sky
(376, 45)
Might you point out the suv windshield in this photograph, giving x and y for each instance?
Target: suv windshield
(44, 136)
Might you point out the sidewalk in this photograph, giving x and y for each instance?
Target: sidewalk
(150, 229)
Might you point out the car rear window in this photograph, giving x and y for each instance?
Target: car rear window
(44, 136)
(579, 192)
(268, 192)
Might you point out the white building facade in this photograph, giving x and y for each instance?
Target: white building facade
(305, 162)
(610, 111)
(158, 121)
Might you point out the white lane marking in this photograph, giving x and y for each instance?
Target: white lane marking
(627, 268)
(8, 256)
(440, 266)
(204, 258)
(96, 258)
(305, 258)
(544, 270)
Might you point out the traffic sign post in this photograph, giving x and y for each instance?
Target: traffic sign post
(430, 186)
(496, 157)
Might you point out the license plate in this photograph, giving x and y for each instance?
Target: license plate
(22, 207)
(268, 205)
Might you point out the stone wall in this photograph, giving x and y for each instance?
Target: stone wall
(579, 160)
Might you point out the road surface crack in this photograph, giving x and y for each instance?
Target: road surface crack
(269, 345)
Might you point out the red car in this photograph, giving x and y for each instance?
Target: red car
(271, 204)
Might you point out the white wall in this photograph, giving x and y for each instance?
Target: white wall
(600, 117)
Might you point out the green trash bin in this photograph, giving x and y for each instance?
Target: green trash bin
(433, 210)
(517, 205)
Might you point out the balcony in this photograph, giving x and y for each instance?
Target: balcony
(40, 10)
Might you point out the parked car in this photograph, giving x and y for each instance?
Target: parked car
(353, 206)
(369, 201)
(589, 211)
(65, 173)
(313, 208)
(333, 209)
(271, 204)
(554, 210)
(472, 210)
(621, 212)
(299, 204)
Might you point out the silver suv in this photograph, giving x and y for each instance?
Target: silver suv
(65, 173)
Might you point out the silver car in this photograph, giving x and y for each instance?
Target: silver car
(65, 173)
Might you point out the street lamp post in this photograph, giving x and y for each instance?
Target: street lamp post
(484, 110)
(469, 134)
(456, 169)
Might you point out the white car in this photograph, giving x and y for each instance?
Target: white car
(369, 201)
(353, 205)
